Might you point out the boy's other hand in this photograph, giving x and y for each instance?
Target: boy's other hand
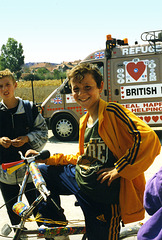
(109, 174)
(5, 142)
(19, 141)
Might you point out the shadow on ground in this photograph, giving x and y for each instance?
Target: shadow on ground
(53, 139)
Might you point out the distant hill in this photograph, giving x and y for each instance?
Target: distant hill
(34, 66)
(29, 64)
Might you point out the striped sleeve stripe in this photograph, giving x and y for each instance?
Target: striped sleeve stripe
(114, 223)
(131, 156)
(122, 115)
(121, 164)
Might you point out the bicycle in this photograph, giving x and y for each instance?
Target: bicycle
(25, 211)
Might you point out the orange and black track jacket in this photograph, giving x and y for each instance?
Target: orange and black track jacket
(133, 143)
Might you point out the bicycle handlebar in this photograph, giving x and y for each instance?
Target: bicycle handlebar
(5, 166)
(36, 175)
(41, 155)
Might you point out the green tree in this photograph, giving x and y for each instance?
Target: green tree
(30, 77)
(58, 74)
(49, 75)
(26, 69)
(12, 56)
(42, 70)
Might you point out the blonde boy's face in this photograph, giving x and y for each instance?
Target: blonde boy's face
(7, 88)
(86, 93)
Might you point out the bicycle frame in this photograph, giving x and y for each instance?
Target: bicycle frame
(45, 232)
(25, 212)
(22, 210)
(55, 232)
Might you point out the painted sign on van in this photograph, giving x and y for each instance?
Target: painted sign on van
(137, 71)
(141, 91)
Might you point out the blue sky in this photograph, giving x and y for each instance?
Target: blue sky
(68, 30)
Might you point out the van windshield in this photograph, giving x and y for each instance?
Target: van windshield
(100, 66)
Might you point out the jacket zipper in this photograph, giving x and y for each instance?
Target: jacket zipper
(13, 125)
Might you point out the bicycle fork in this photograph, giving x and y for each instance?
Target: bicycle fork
(24, 214)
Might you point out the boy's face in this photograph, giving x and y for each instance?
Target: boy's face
(7, 88)
(86, 93)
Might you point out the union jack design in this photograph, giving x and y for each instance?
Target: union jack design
(99, 55)
(57, 100)
(85, 110)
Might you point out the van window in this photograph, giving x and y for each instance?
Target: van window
(66, 89)
(100, 66)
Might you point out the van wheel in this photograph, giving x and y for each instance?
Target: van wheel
(65, 127)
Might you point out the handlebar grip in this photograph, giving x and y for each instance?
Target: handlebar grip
(43, 155)
(8, 165)
(14, 168)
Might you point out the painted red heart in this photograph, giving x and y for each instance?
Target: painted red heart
(135, 70)
(141, 118)
(160, 117)
(155, 118)
(147, 119)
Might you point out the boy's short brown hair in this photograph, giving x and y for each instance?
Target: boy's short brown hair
(78, 72)
(7, 73)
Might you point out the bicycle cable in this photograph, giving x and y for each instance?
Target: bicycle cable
(16, 197)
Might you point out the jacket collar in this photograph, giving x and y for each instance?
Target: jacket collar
(83, 123)
(20, 108)
(102, 105)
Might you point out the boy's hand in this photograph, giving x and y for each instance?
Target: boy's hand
(30, 152)
(19, 141)
(33, 152)
(109, 174)
(5, 142)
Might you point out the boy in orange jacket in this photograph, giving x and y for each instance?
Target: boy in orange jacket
(107, 175)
